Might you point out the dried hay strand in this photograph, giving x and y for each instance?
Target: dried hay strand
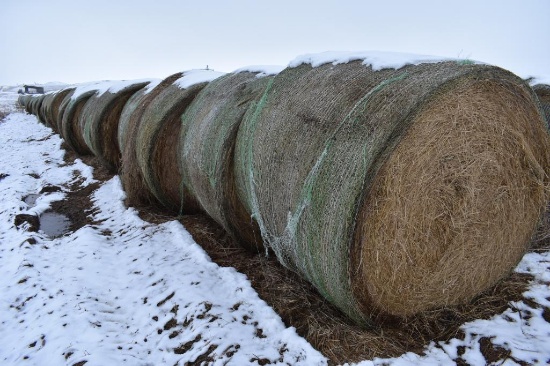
(209, 130)
(157, 146)
(133, 182)
(543, 93)
(72, 120)
(319, 166)
(99, 124)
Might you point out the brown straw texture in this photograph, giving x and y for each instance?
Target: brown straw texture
(468, 181)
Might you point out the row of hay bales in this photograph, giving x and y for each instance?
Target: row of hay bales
(392, 191)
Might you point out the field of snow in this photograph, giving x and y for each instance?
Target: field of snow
(123, 291)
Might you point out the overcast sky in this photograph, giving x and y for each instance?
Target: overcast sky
(76, 41)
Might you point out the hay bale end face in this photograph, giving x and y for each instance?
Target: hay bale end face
(208, 134)
(392, 190)
(99, 123)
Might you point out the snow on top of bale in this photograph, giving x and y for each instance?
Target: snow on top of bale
(111, 86)
(151, 85)
(193, 77)
(377, 59)
(262, 70)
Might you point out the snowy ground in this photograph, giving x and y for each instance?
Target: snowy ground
(122, 291)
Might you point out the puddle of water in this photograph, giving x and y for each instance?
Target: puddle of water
(54, 224)
(30, 200)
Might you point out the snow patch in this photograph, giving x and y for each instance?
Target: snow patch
(193, 77)
(111, 86)
(152, 85)
(378, 60)
(261, 70)
(120, 291)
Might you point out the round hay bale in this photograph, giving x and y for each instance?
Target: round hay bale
(59, 104)
(72, 119)
(32, 105)
(209, 131)
(137, 192)
(99, 123)
(29, 100)
(40, 110)
(38, 107)
(45, 110)
(391, 191)
(37, 100)
(157, 143)
(124, 121)
(543, 93)
(22, 100)
(130, 107)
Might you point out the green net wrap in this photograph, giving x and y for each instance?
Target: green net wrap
(209, 129)
(157, 146)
